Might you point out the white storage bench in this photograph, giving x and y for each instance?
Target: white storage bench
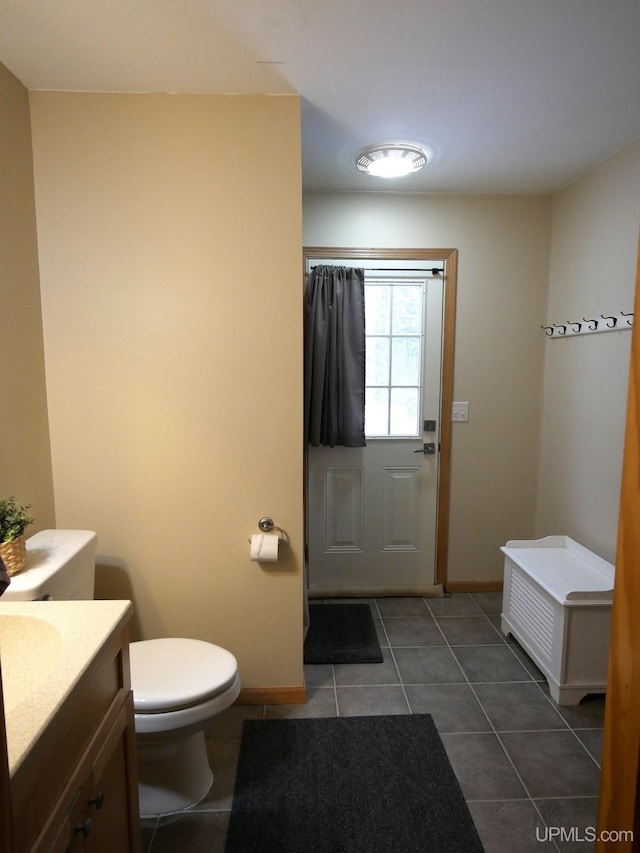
(557, 604)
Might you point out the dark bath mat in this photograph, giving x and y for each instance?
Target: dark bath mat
(341, 633)
(347, 785)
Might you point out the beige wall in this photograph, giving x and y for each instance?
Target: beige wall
(593, 260)
(503, 244)
(25, 458)
(169, 239)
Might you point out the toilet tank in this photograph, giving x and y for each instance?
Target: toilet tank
(60, 565)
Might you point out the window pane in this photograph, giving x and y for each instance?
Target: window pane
(407, 309)
(377, 308)
(377, 361)
(405, 368)
(404, 411)
(376, 411)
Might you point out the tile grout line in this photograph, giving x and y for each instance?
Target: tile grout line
(335, 689)
(492, 727)
(400, 679)
(554, 705)
(502, 746)
(393, 657)
(549, 699)
(571, 728)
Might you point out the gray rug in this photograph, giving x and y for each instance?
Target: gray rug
(347, 785)
(341, 633)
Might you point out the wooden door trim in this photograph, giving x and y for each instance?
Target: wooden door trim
(619, 807)
(450, 256)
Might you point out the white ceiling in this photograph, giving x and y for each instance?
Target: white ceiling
(508, 96)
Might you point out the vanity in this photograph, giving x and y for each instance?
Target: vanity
(70, 761)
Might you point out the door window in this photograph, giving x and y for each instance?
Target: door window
(394, 320)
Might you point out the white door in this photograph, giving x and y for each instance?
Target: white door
(372, 511)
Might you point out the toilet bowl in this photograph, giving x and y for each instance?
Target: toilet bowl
(179, 685)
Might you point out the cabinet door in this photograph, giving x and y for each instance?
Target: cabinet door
(70, 839)
(103, 817)
(111, 793)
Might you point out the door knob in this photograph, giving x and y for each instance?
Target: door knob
(428, 448)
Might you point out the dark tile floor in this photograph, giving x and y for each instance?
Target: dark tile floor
(529, 769)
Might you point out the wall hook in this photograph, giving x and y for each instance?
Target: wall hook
(607, 323)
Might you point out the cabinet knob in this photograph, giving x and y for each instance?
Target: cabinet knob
(97, 800)
(83, 828)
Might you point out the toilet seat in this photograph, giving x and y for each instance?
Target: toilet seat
(174, 673)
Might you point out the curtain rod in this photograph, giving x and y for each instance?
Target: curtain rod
(433, 270)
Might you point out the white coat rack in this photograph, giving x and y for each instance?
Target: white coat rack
(620, 322)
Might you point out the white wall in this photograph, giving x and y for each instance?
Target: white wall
(594, 247)
(503, 244)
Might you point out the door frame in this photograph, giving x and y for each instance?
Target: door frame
(450, 258)
(619, 803)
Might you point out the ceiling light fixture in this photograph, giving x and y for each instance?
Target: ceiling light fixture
(391, 160)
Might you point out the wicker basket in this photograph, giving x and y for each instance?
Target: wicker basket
(14, 555)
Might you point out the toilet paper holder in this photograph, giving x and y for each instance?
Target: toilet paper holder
(267, 525)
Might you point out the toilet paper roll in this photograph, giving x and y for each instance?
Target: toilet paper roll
(264, 547)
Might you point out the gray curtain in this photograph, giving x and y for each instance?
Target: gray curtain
(334, 357)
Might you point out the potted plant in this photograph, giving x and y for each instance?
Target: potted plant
(14, 520)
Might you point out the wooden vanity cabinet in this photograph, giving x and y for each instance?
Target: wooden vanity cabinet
(77, 789)
(99, 819)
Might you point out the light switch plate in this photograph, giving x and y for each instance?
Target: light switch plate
(460, 412)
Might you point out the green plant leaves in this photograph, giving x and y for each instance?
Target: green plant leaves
(14, 519)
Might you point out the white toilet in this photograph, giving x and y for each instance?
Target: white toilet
(179, 685)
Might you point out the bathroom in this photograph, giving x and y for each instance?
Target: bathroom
(155, 346)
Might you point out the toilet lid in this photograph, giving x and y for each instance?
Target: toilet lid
(171, 673)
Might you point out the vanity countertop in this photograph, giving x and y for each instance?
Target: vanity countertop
(45, 648)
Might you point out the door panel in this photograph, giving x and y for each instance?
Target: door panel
(372, 511)
(400, 500)
(344, 509)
